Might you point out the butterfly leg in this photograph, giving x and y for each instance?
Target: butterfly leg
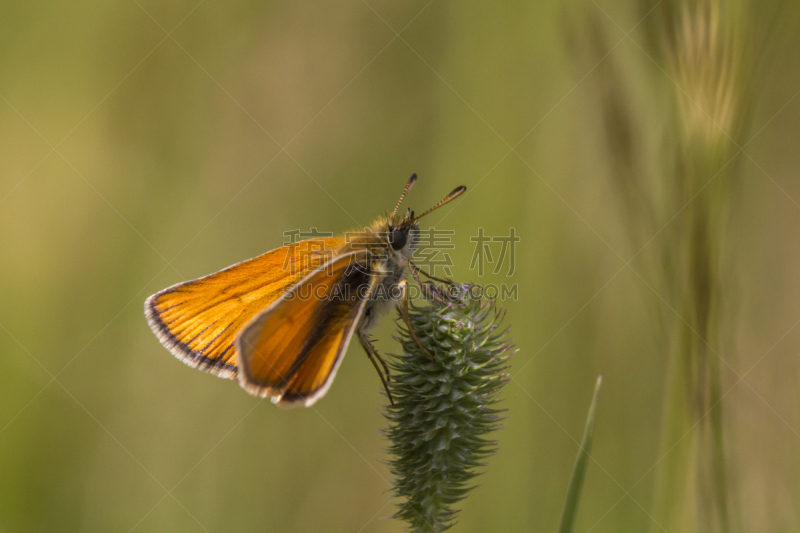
(373, 354)
(419, 270)
(407, 318)
(415, 271)
(377, 356)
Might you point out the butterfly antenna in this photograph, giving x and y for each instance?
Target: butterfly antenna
(411, 181)
(458, 191)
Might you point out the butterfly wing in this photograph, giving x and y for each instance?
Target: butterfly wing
(198, 320)
(291, 351)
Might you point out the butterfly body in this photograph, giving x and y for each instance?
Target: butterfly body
(280, 323)
(388, 264)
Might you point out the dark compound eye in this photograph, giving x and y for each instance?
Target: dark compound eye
(397, 238)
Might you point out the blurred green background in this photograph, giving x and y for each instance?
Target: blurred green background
(143, 143)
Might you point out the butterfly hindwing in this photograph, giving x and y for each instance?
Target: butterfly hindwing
(291, 351)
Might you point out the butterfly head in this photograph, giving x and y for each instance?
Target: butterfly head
(402, 234)
(402, 231)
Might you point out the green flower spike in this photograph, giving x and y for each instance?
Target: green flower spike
(445, 388)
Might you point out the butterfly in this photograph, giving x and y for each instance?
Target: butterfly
(281, 322)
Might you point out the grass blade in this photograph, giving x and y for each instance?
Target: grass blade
(579, 470)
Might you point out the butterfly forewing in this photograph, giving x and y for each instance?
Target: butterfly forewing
(198, 320)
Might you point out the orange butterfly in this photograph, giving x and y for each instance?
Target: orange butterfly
(282, 321)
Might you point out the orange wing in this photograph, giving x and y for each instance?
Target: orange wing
(291, 351)
(198, 320)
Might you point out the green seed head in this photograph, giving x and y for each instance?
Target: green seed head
(445, 392)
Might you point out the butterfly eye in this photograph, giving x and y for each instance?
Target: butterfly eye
(397, 238)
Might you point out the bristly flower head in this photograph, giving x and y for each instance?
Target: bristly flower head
(445, 388)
